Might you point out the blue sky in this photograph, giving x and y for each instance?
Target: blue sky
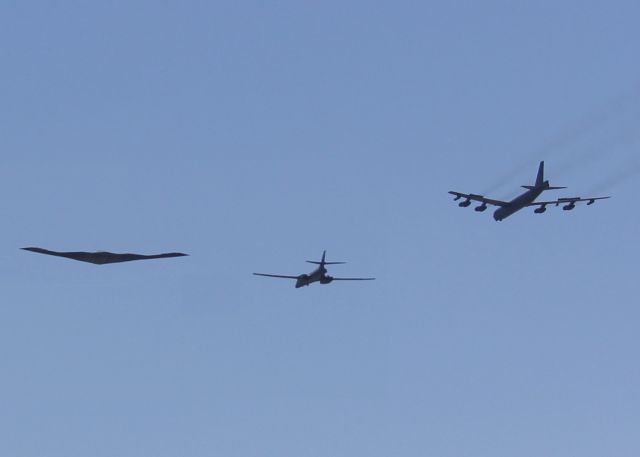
(254, 135)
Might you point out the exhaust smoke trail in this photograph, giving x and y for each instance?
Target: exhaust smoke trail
(631, 170)
(598, 150)
(564, 142)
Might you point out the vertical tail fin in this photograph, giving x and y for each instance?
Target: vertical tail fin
(540, 177)
(540, 182)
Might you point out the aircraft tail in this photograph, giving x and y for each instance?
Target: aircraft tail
(323, 261)
(540, 182)
(540, 176)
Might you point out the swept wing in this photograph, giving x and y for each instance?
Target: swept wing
(353, 279)
(568, 201)
(478, 198)
(276, 276)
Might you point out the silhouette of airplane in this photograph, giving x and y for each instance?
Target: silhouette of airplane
(506, 209)
(101, 257)
(317, 275)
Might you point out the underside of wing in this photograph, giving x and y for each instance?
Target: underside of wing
(103, 257)
(276, 276)
(568, 201)
(80, 255)
(353, 279)
(468, 198)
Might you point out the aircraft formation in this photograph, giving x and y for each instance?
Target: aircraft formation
(504, 210)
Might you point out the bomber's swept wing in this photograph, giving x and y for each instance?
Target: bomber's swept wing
(476, 198)
(353, 279)
(276, 276)
(569, 202)
(102, 257)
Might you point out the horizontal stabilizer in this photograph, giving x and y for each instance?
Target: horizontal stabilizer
(544, 188)
(325, 263)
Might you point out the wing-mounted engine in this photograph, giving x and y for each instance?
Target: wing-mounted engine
(475, 197)
(326, 279)
(569, 203)
(541, 209)
(302, 281)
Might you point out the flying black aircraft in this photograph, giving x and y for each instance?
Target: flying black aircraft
(101, 257)
(318, 275)
(506, 209)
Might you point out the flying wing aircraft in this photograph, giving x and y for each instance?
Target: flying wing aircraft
(318, 275)
(101, 257)
(527, 199)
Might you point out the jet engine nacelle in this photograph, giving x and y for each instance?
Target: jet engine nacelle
(569, 207)
(302, 281)
(540, 210)
(481, 208)
(465, 203)
(326, 280)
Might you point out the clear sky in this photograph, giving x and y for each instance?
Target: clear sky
(253, 135)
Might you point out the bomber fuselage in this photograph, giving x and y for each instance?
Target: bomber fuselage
(317, 275)
(515, 205)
